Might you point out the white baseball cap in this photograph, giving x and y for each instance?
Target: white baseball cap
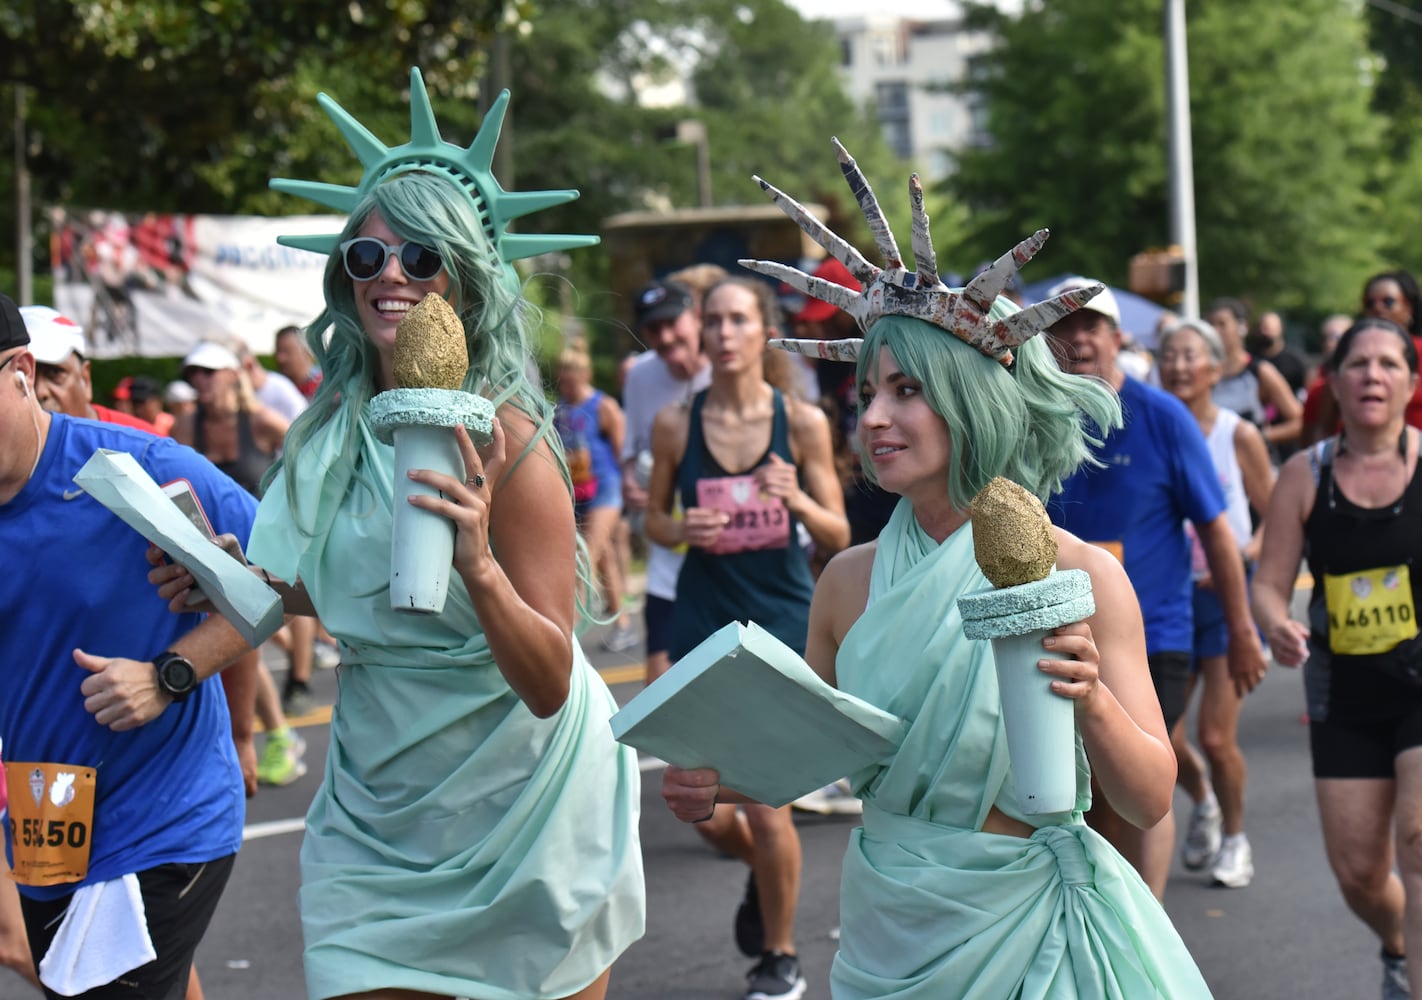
(1103, 301)
(213, 357)
(53, 336)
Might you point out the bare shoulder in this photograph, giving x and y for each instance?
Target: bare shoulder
(843, 586)
(1073, 553)
(806, 417)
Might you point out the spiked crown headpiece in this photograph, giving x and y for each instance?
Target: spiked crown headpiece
(469, 170)
(894, 290)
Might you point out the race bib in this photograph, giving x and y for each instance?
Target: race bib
(757, 519)
(51, 821)
(1369, 611)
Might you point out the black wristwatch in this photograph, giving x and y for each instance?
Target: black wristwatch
(176, 674)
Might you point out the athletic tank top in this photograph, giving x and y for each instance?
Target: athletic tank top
(589, 454)
(1345, 540)
(1220, 441)
(1240, 393)
(251, 462)
(769, 585)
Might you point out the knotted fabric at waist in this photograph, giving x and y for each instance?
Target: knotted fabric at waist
(1070, 844)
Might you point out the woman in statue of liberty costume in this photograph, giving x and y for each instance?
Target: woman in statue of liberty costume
(475, 834)
(950, 889)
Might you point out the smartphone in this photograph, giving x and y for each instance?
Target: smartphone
(180, 491)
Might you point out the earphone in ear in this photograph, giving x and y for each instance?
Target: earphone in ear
(24, 383)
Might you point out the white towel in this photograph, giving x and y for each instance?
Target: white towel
(103, 935)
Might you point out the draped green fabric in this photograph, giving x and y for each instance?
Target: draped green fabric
(458, 845)
(932, 908)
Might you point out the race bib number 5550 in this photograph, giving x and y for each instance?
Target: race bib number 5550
(51, 821)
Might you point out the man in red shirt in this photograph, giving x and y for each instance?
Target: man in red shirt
(62, 380)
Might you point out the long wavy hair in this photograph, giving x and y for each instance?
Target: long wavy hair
(1034, 424)
(484, 292)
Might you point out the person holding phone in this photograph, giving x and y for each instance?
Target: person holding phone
(107, 713)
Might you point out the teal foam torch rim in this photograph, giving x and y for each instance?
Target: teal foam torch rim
(397, 408)
(1060, 598)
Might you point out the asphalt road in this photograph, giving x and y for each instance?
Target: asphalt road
(1286, 937)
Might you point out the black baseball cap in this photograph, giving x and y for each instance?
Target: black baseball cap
(12, 325)
(662, 300)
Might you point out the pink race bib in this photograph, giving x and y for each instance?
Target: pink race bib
(757, 519)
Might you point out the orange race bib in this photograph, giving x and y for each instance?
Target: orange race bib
(51, 821)
(757, 519)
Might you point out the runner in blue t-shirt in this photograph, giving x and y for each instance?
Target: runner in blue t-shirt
(1155, 474)
(121, 774)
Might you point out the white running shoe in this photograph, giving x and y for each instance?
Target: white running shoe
(1202, 837)
(831, 800)
(1234, 867)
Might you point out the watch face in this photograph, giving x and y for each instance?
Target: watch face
(177, 675)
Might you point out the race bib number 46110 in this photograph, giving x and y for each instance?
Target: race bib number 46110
(1369, 611)
(51, 821)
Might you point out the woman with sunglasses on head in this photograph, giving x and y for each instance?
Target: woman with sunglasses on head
(1350, 504)
(750, 464)
(475, 834)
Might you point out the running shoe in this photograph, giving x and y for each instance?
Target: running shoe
(1394, 983)
(297, 699)
(621, 639)
(831, 800)
(750, 931)
(776, 977)
(325, 655)
(282, 758)
(1202, 837)
(1234, 865)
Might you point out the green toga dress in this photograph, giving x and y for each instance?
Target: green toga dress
(458, 844)
(932, 908)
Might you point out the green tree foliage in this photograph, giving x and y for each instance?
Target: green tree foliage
(181, 105)
(1395, 33)
(1285, 144)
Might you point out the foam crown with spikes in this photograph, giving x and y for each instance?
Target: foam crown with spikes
(894, 290)
(469, 170)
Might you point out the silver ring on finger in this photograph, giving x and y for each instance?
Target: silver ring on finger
(476, 481)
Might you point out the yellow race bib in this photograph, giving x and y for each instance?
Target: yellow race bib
(1369, 611)
(51, 821)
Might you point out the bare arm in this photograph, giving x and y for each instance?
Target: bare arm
(700, 526)
(1274, 391)
(1258, 474)
(1279, 558)
(613, 427)
(1109, 678)
(1246, 657)
(820, 504)
(269, 427)
(124, 694)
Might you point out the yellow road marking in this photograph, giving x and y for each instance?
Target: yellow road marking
(624, 674)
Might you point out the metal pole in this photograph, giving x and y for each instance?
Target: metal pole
(1182, 172)
(24, 251)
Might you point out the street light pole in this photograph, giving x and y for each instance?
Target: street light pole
(1180, 153)
(24, 251)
